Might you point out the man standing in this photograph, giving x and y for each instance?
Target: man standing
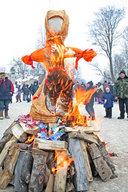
(90, 105)
(121, 93)
(6, 91)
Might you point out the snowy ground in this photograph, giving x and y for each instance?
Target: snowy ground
(114, 132)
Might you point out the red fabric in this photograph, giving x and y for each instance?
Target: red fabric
(56, 68)
(12, 87)
(47, 83)
(36, 97)
(28, 115)
(28, 60)
(4, 83)
(0, 82)
(87, 54)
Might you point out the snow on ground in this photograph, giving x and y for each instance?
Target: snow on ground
(114, 132)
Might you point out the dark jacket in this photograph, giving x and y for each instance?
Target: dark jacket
(109, 97)
(6, 88)
(34, 87)
(26, 90)
(121, 88)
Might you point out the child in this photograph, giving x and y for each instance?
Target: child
(18, 94)
(108, 99)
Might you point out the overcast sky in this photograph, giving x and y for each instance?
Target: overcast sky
(21, 20)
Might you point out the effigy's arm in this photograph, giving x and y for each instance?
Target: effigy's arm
(38, 56)
(88, 54)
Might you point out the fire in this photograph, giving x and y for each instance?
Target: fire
(81, 96)
(62, 161)
(30, 139)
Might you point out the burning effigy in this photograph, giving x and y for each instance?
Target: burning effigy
(56, 90)
(54, 148)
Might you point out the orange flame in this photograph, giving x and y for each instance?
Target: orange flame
(62, 161)
(81, 96)
(30, 139)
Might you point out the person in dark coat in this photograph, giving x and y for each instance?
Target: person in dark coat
(121, 93)
(6, 91)
(34, 87)
(90, 105)
(108, 99)
(24, 96)
(27, 92)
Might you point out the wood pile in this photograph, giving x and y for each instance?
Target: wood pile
(28, 166)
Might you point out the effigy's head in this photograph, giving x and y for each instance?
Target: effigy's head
(56, 24)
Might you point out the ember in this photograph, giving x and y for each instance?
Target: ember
(30, 139)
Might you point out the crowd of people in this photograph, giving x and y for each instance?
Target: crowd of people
(7, 89)
(107, 94)
(103, 93)
(26, 90)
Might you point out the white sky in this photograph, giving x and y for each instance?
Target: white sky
(20, 21)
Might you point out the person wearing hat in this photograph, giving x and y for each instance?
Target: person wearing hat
(108, 99)
(6, 91)
(121, 93)
(90, 105)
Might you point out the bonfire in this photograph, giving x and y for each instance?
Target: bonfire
(55, 147)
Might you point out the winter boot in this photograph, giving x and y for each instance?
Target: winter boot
(6, 115)
(1, 115)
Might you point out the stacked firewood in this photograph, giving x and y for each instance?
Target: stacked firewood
(28, 166)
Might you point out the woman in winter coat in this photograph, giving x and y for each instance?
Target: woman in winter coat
(108, 99)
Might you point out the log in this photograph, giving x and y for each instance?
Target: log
(24, 146)
(50, 184)
(36, 183)
(19, 133)
(90, 138)
(81, 173)
(101, 166)
(86, 160)
(9, 129)
(6, 149)
(26, 166)
(19, 184)
(49, 145)
(47, 175)
(61, 175)
(106, 156)
(7, 174)
(5, 139)
(82, 129)
(70, 187)
(29, 130)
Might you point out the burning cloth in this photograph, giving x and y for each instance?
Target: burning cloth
(54, 96)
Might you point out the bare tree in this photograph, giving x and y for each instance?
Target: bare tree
(125, 51)
(19, 68)
(100, 72)
(104, 31)
(118, 64)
